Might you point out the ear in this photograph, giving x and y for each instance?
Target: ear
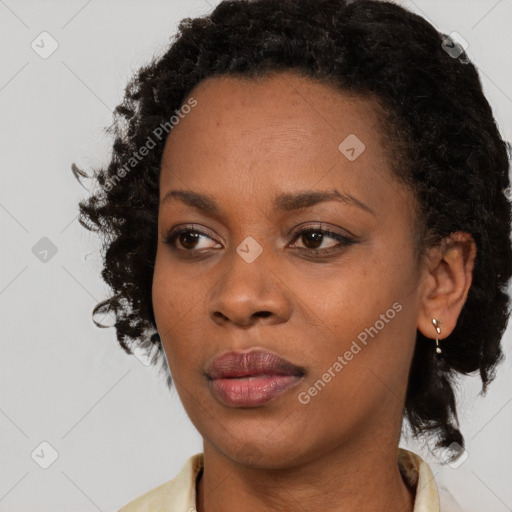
(448, 277)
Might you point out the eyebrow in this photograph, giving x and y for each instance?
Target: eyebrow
(284, 202)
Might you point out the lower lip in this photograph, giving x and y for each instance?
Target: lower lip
(252, 391)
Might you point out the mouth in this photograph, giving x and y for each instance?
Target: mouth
(251, 379)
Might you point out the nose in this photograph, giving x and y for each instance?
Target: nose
(248, 293)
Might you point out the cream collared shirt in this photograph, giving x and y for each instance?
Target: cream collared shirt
(179, 494)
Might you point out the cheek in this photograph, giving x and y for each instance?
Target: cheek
(170, 308)
(366, 316)
(161, 297)
(178, 305)
(347, 299)
(173, 296)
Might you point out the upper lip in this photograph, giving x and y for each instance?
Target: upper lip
(249, 363)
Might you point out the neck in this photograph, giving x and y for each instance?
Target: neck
(345, 480)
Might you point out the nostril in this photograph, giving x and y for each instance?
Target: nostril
(263, 314)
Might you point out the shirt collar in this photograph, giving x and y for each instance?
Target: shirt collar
(179, 494)
(418, 475)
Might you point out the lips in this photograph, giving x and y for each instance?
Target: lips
(251, 379)
(249, 364)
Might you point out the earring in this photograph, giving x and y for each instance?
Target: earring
(438, 331)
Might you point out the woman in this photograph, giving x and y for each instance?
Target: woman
(306, 214)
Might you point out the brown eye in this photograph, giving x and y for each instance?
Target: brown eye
(188, 239)
(313, 237)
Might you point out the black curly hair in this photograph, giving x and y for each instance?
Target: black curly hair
(435, 116)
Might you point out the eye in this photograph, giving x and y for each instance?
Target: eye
(314, 236)
(188, 238)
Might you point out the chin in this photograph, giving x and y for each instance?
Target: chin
(263, 455)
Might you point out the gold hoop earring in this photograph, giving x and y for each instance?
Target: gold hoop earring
(438, 331)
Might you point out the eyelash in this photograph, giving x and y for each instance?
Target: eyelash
(344, 241)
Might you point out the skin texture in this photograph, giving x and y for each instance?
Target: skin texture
(246, 142)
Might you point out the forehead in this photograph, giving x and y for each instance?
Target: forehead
(273, 132)
(265, 105)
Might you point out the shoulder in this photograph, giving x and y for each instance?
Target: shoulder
(178, 494)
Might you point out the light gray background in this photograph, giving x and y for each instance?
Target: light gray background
(116, 428)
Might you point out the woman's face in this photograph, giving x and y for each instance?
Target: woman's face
(275, 157)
